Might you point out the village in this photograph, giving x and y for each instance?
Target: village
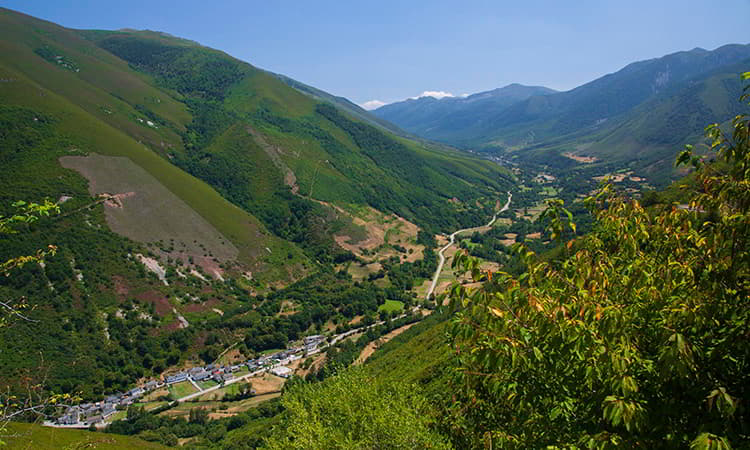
(100, 414)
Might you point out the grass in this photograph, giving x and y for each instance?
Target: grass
(270, 351)
(548, 191)
(183, 409)
(37, 437)
(152, 405)
(392, 306)
(359, 272)
(119, 415)
(181, 389)
(207, 384)
(77, 100)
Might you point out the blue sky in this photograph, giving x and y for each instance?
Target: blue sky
(390, 50)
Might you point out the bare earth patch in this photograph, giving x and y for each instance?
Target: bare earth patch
(374, 345)
(580, 158)
(162, 307)
(139, 207)
(382, 229)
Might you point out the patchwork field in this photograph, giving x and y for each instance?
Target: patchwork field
(374, 235)
(182, 389)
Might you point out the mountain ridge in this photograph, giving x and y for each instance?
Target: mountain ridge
(577, 117)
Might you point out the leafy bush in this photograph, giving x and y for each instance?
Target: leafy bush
(636, 339)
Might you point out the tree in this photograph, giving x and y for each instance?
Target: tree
(354, 411)
(26, 214)
(198, 415)
(34, 399)
(637, 339)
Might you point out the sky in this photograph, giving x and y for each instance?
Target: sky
(374, 52)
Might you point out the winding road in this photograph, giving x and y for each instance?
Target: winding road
(452, 241)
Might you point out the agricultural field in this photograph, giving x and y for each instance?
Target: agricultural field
(531, 213)
(181, 389)
(207, 384)
(374, 235)
(391, 306)
(219, 409)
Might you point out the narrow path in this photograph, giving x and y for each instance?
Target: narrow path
(195, 384)
(441, 254)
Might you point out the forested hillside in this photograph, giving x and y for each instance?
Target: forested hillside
(632, 336)
(635, 116)
(330, 155)
(199, 198)
(197, 252)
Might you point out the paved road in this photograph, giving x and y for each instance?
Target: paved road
(452, 241)
(333, 341)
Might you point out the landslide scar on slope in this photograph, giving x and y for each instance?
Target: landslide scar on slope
(146, 211)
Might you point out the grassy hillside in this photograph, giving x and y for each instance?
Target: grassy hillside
(648, 137)
(638, 116)
(98, 104)
(37, 437)
(344, 104)
(319, 151)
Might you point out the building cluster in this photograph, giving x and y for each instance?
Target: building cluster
(94, 413)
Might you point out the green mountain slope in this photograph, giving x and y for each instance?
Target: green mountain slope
(637, 115)
(318, 151)
(344, 104)
(97, 102)
(192, 187)
(28, 436)
(647, 136)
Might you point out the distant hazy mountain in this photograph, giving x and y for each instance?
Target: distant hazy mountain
(449, 118)
(643, 112)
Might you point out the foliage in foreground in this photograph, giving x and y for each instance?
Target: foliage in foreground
(354, 411)
(637, 339)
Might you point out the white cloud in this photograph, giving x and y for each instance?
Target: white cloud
(372, 104)
(434, 94)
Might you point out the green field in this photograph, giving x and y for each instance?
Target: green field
(207, 384)
(183, 409)
(37, 437)
(230, 389)
(181, 389)
(392, 306)
(548, 191)
(271, 350)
